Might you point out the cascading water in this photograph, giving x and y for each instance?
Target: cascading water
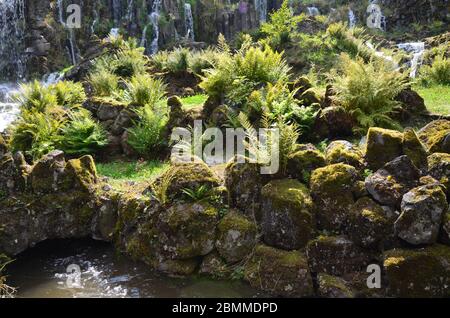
(154, 23)
(351, 18)
(12, 35)
(189, 22)
(417, 49)
(313, 11)
(130, 11)
(8, 109)
(72, 44)
(261, 9)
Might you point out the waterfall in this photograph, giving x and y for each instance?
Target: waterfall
(376, 19)
(383, 56)
(313, 11)
(189, 22)
(72, 43)
(95, 21)
(351, 18)
(12, 35)
(261, 9)
(116, 12)
(130, 11)
(417, 49)
(8, 109)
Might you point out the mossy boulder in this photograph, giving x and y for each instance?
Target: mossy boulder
(83, 171)
(336, 255)
(48, 172)
(388, 185)
(236, 237)
(214, 265)
(332, 287)
(13, 174)
(423, 209)
(108, 111)
(342, 151)
(414, 149)
(436, 136)
(178, 267)
(287, 214)
(416, 273)
(279, 273)
(303, 162)
(331, 190)
(368, 224)
(332, 122)
(244, 182)
(187, 230)
(383, 145)
(188, 176)
(439, 168)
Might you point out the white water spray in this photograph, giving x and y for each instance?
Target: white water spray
(189, 22)
(418, 50)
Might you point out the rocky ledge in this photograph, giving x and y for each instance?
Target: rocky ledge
(312, 232)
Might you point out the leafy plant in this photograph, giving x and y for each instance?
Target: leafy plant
(36, 133)
(367, 91)
(147, 134)
(437, 73)
(160, 187)
(103, 82)
(129, 62)
(69, 94)
(82, 135)
(35, 96)
(199, 194)
(143, 89)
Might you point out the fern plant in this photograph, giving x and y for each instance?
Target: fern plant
(143, 89)
(35, 97)
(367, 91)
(200, 194)
(69, 94)
(82, 135)
(436, 73)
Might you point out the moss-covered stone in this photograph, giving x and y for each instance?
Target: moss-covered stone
(341, 151)
(214, 266)
(279, 273)
(187, 230)
(244, 182)
(303, 162)
(287, 214)
(47, 171)
(436, 136)
(83, 171)
(333, 287)
(368, 225)
(439, 168)
(331, 189)
(422, 211)
(445, 230)
(383, 145)
(178, 267)
(236, 237)
(336, 255)
(188, 176)
(421, 272)
(414, 149)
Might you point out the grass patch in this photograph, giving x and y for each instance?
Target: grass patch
(120, 171)
(194, 101)
(437, 98)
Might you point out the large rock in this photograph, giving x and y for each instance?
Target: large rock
(383, 145)
(287, 214)
(388, 185)
(423, 209)
(444, 236)
(187, 230)
(414, 149)
(333, 287)
(279, 273)
(244, 182)
(439, 168)
(303, 162)
(334, 122)
(236, 237)
(368, 223)
(412, 102)
(336, 255)
(108, 111)
(418, 273)
(436, 136)
(331, 189)
(341, 151)
(188, 176)
(14, 173)
(48, 172)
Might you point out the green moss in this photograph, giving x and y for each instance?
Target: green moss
(328, 285)
(333, 178)
(305, 161)
(419, 272)
(383, 145)
(83, 170)
(414, 149)
(234, 221)
(339, 153)
(434, 134)
(287, 193)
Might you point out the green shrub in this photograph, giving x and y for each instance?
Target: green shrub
(129, 62)
(437, 73)
(367, 91)
(82, 135)
(178, 60)
(35, 96)
(69, 94)
(143, 89)
(36, 133)
(147, 135)
(104, 83)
